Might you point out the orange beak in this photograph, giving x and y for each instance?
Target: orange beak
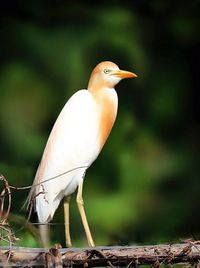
(124, 74)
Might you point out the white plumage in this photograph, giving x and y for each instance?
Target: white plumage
(75, 141)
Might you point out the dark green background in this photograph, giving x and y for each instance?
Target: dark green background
(144, 187)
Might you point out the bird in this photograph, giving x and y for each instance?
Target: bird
(74, 143)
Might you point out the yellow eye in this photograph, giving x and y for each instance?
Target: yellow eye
(106, 71)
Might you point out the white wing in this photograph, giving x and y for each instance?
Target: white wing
(73, 143)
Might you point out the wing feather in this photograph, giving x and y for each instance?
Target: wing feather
(73, 144)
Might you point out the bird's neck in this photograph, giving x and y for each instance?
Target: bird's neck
(107, 103)
(95, 84)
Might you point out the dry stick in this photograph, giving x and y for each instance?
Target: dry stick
(2, 195)
(9, 203)
(8, 237)
(8, 230)
(184, 253)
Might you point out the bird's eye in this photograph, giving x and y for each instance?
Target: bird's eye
(106, 71)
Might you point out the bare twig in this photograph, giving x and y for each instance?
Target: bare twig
(6, 231)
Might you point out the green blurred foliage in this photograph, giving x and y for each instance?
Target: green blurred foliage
(144, 187)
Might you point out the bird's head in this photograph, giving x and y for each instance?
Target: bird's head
(106, 75)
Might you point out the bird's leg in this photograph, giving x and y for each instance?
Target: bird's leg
(80, 203)
(44, 235)
(66, 215)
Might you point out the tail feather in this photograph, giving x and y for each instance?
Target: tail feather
(46, 207)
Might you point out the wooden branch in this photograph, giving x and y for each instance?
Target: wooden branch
(102, 256)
